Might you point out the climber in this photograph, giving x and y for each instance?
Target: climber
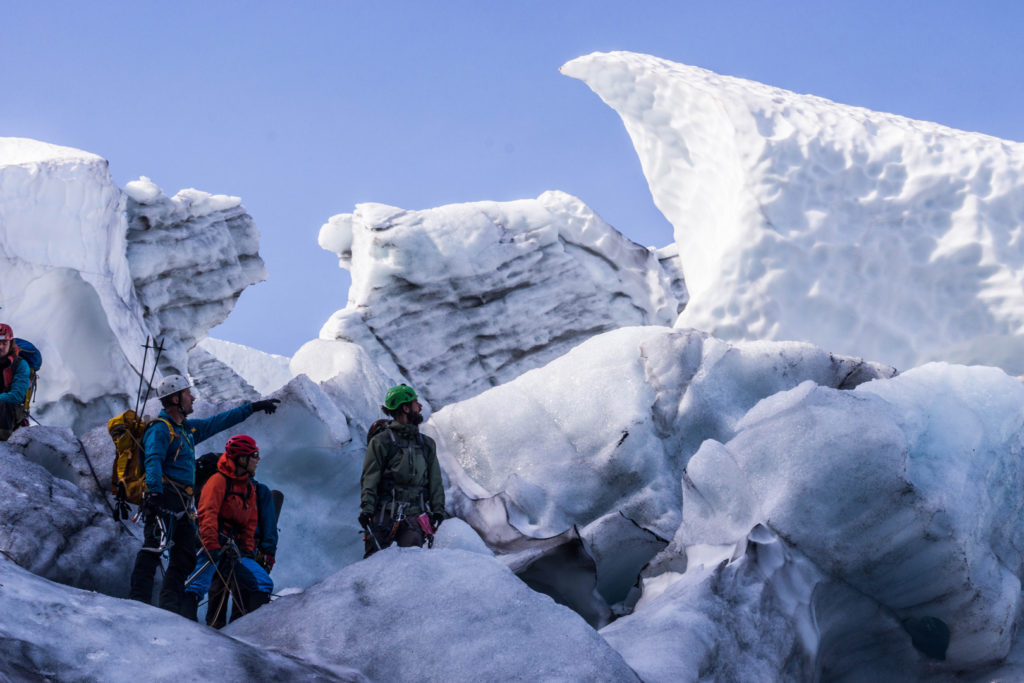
(266, 552)
(402, 493)
(170, 474)
(14, 383)
(228, 517)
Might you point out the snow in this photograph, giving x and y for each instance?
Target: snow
(460, 298)
(84, 261)
(660, 464)
(799, 218)
(447, 615)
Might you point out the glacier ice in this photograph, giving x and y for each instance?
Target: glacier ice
(54, 632)
(84, 261)
(447, 615)
(463, 297)
(191, 256)
(798, 218)
(906, 491)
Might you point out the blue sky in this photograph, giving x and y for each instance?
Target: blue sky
(305, 109)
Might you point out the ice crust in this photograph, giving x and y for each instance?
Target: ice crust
(463, 297)
(447, 615)
(191, 256)
(799, 218)
(906, 491)
(82, 260)
(700, 508)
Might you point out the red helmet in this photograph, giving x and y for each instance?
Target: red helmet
(6, 332)
(240, 445)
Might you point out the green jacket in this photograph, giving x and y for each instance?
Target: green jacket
(402, 463)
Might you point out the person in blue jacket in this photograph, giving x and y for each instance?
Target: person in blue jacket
(170, 442)
(14, 383)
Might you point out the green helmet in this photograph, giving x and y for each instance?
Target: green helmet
(399, 396)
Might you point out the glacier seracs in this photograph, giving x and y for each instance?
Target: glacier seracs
(90, 272)
(798, 218)
(464, 297)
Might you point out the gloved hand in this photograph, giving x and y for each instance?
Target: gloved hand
(268, 562)
(267, 405)
(364, 519)
(215, 554)
(151, 504)
(436, 519)
(230, 551)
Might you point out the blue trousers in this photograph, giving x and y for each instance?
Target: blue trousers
(250, 575)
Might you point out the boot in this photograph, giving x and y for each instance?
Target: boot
(252, 600)
(190, 606)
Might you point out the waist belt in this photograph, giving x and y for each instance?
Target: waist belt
(181, 488)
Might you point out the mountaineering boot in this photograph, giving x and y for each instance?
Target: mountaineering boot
(190, 606)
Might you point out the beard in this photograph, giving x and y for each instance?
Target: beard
(415, 418)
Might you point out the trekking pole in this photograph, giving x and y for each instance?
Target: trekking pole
(142, 374)
(159, 348)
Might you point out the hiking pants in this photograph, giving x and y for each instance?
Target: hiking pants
(407, 534)
(249, 583)
(181, 535)
(11, 417)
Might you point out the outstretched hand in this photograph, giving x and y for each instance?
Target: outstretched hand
(267, 405)
(364, 519)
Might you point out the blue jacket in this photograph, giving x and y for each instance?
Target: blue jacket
(266, 531)
(19, 383)
(175, 458)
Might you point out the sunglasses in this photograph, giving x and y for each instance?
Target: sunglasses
(255, 455)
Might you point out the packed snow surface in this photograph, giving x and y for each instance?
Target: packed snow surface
(447, 615)
(799, 218)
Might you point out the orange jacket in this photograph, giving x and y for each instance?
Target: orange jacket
(228, 503)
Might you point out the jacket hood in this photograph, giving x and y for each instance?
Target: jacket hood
(226, 466)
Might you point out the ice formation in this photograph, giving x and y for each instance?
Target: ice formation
(66, 278)
(449, 615)
(799, 218)
(598, 439)
(191, 256)
(460, 298)
(716, 509)
(75, 270)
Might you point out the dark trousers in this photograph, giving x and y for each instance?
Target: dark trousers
(181, 535)
(408, 533)
(11, 417)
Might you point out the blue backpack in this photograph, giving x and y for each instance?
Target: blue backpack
(28, 352)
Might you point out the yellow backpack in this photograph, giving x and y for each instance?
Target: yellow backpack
(128, 479)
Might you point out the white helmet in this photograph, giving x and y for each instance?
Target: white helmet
(171, 384)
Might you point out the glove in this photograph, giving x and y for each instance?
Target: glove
(267, 405)
(436, 519)
(151, 504)
(364, 519)
(230, 551)
(215, 554)
(268, 562)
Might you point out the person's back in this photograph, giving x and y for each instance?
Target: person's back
(14, 383)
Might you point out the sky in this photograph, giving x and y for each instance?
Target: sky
(306, 109)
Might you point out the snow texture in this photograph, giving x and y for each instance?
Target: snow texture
(82, 260)
(191, 256)
(54, 528)
(604, 433)
(447, 615)
(265, 372)
(799, 218)
(907, 491)
(464, 297)
(53, 632)
(66, 277)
